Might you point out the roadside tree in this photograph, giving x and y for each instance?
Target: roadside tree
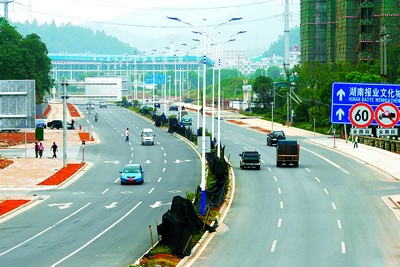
(24, 58)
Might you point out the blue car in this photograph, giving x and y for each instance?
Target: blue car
(40, 123)
(186, 120)
(132, 174)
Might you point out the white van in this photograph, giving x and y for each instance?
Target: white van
(147, 136)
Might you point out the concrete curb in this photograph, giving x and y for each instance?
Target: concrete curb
(34, 200)
(206, 238)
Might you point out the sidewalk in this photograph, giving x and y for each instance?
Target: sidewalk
(27, 171)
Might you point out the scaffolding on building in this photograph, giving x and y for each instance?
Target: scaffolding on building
(347, 31)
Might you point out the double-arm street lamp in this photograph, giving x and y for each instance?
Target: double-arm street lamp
(220, 47)
(203, 139)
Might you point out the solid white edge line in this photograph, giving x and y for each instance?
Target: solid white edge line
(97, 236)
(327, 160)
(384, 200)
(225, 212)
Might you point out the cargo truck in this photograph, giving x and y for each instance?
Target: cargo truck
(287, 153)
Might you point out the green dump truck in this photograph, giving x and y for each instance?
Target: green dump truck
(287, 153)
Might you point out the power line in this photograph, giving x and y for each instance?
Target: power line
(115, 5)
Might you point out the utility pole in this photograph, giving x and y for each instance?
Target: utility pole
(383, 43)
(286, 35)
(6, 2)
(286, 64)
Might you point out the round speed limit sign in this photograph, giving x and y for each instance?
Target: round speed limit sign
(361, 115)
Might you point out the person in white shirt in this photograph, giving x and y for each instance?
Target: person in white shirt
(127, 135)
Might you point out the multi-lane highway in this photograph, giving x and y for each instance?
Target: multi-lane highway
(96, 221)
(327, 212)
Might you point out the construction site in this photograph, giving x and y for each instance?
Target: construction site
(348, 31)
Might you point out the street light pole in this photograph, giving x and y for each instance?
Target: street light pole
(219, 98)
(220, 46)
(165, 85)
(144, 76)
(175, 77)
(135, 78)
(64, 86)
(198, 85)
(154, 80)
(203, 136)
(212, 105)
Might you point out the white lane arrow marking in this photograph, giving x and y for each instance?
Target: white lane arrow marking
(340, 113)
(156, 205)
(147, 161)
(341, 94)
(159, 204)
(112, 205)
(61, 206)
(174, 191)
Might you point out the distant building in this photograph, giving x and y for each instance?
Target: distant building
(234, 59)
(347, 31)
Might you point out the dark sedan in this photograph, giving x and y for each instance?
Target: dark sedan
(274, 136)
(55, 124)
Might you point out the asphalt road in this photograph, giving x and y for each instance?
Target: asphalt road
(327, 212)
(95, 221)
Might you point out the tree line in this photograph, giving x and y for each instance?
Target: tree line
(24, 58)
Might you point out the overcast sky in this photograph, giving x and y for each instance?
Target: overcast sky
(144, 23)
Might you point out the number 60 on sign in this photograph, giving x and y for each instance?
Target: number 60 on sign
(361, 115)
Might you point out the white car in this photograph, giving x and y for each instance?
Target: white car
(147, 136)
(103, 104)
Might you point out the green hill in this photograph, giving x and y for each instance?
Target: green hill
(74, 39)
(278, 46)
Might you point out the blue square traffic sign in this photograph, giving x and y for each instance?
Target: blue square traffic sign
(345, 95)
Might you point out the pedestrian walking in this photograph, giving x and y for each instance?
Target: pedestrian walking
(54, 147)
(355, 142)
(36, 149)
(127, 135)
(41, 148)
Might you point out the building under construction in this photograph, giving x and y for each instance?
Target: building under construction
(343, 30)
